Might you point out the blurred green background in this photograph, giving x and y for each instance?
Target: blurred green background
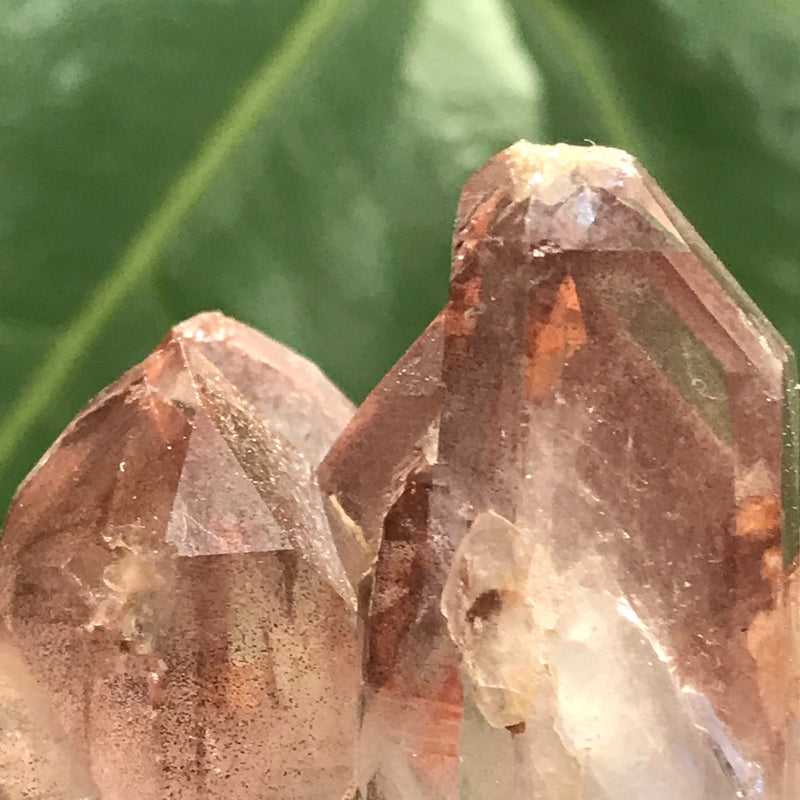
(296, 163)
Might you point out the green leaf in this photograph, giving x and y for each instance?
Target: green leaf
(294, 164)
(707, 95)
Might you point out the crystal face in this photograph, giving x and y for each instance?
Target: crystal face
(574, 506)
(177, 623)
(550, 557)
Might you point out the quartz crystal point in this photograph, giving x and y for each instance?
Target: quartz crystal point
(576, 502)
(177, 623)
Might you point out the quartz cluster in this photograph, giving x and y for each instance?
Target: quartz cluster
(550, 557)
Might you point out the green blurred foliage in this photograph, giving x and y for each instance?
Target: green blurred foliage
(297, 164)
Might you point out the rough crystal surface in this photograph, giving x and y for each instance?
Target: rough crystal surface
(177, 623)
(578, 510)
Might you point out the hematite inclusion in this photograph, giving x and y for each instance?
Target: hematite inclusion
(568, 515)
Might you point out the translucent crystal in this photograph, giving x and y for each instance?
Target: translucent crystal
(578, 511)
(562, 531)
(179, 623)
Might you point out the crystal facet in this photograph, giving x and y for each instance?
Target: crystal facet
(571, 490)
(177, 622)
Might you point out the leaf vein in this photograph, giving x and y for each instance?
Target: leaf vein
(141, 257)
(591, 65)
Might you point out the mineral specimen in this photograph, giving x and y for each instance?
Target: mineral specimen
(569, 499)
(178, 624)
(551, 556)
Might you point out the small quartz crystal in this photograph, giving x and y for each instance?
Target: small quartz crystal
(178, 625)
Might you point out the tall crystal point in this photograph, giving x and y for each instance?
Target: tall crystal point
(575, 553)
(177, 621)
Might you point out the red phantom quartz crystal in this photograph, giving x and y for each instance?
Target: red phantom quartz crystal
(169, 581)
(571, 491)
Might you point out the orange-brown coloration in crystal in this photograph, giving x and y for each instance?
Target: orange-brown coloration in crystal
(766, 642)
(553, 342)
(243, 685)
(461, 314)
(759, 516)
(479, 225)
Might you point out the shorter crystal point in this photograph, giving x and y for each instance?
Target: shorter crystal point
(179, 622)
